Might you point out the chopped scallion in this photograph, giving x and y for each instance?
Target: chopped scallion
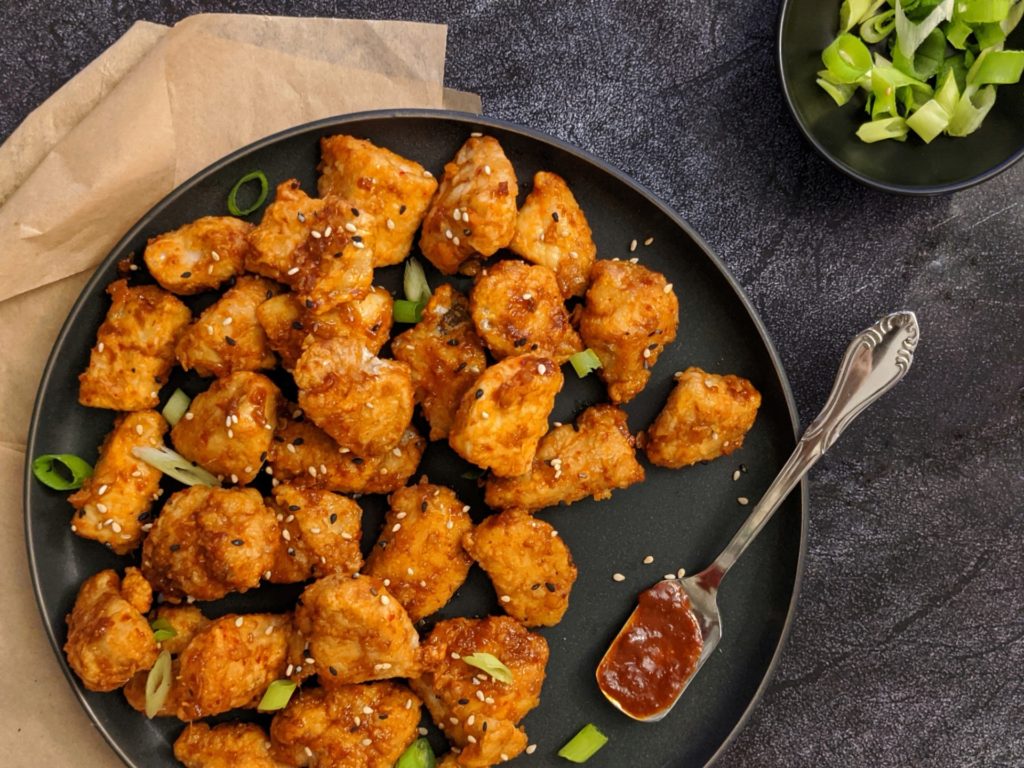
(405, 311)
(258, 176)
(158, 684)
(61, 471)
(174, 465)
(417, 289)
(163, 630)
(418, 755)
(277, 696)
(584, 745)
(490, 664)
(584, 362)
(176, 407)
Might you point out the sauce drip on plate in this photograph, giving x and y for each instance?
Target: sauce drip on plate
(654, 655)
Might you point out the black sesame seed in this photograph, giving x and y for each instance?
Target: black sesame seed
(357, 239)
(81, 512)
(270, 294)
(334, 517)
(484, 727)
(186, 274)
(231, 342)
(294, 507)
(310, 303)
(463, 702)
(461, 368)
(519, 342)
(550, 587)
(478, 394)
(453, 342)
(355, 211)
(382, 544)
(278, 439)
(467, 232)
(743, 468)
(382, 716)
(401, 210)
(375, 327)
(356, 460)
(296, 325)
(263, 456)
(291, 552)
(298, 441)
(652, 346)
(533, 347)
(535, 587)
(554, 215)
(175, 547)
(237, 542)
(301, 216)
(141, 518)
(333, 671)
(373, 591)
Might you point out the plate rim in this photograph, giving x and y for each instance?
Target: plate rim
(472, 121)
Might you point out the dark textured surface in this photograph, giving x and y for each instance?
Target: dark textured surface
(909, 641)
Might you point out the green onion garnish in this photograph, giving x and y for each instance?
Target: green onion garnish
(418, 755)
(158, 684)
(491, 665)
(163, 630)
(176, 407)
(414, 281)
(61, 471)
(583, 745)
(259, 176)
(584, 362)
(174, 465)
(406, 311)
(277, 695)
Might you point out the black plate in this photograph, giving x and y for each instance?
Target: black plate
(681, 517)
(806, 27)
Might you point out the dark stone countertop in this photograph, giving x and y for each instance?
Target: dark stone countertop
(908, 646)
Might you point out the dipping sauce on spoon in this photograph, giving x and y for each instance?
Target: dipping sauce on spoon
(655, 653)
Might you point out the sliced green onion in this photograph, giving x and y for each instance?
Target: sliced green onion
(176, 407)
(1013, 18)
(982, 11)
(584, 362)
(174, 465)
(853, 12)
(847, 59)
(957, 33)
(971, 110)
(909, 35)
(405, 311)
(880, 130)
(163, 630)
(949, 92)
(418, 755)
(929, 121)
(996, 68)
(879, 27)
(414, 281)
(841, 93)
(584, 745)
(158, 684)
(926, 61)
(61, 471)
(259, 176)
(989, 35)
(277, 696)
(884, 91)
(491, 665)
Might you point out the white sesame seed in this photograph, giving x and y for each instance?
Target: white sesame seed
(314, 530)
(384, 600)
(293, 271)
(267, 576)
(449, 525)
(396, 527)
(680, 573)
(390, 224)
(648, 241)
(239, 621)
(387, 582)
(74, 528)
(618, 577)
(736, 475)
(466, 508)
(422, 731)
(316, 235)
(456, 655)
(234, 477)
(309, 752)
(554, 534)
(527, 296)
(647, 353)
(476, 134)
(506, 599)
(428, 174)
(542, 369)
(138, 429)
(667, 288)
(423, 583)
(480, 695)
(453, 720)
(396, 451)
(457, 214)
(632, 245)
(634, 261)
(346, 536)
(456, 241)
(285, 535)
(101, 508)
(226, 321)
(189, 416)
(448, 234)
(367, 742)
(471, 738)
(487, 170)
(531, 749)
(102, 489)
(100, 347)
(115, 527)
(327, 232)
(649, 559)
(214, 255)
(743, 501)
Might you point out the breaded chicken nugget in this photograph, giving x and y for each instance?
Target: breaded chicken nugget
(474, 211)
(185, 620)
(630, 316)
(320, 533)
(228, 745)
(134, 349)
(200, 255)
(552, 230)
(394, 190)
(706, 416)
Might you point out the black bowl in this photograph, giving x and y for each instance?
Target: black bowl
(948, 164)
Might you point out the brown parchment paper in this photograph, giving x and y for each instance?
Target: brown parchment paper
(154, 108)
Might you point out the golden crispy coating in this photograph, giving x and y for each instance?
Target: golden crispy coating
(290, 327)
(529, 564)
(630, 316)
(350, 726)
(476, 712)
(474, 211)
(517, 308)
(199, 256)
(504, 414)
(394, 190)
(228, 745)
(186, 620)
(226, 337)
(231, 661)
(314, 245)
(706, 416)
(419, 551)
(356, 630)
(304, 453)
(113, 504)
(552, 230)
(592, 458)
(134, 349)
(445, 356)
(363, 402)
(320, 533)
(229, 427)
(208, 542)
(109, 639)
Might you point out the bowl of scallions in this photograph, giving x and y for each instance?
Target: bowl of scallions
(911, 96)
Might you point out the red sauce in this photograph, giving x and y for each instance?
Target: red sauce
(654, 655)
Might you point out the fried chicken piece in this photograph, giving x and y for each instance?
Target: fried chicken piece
(706, 416)
(135, 693)
(320, 533)
(552, 230)
(419, 551)
(474, 211)
(186, 620)
(229, 427)
(226, 337)
(134, 349)
(503, 416)
(591, 458)
(363, 402)
(304, 453)
(231, 661)
(529, 564)
(109, 639)
(630, 316)
(315, 245)
(208, 542)
(228, 745)
(349, 726)
(356, 630)
(199, 256)
(290, 327)
(476, 712)
(394, 190)
(518, 307)
(444, 355)
(112, 506)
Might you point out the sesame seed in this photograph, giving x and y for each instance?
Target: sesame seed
(456, 241)
(100, 347)
(239, 621)
(102, 490)
(554, 534)
(648, 241)
(485, 415)
(449, 525)
(428, 174)
(457, 214)
(115, 527)
(327, 232)
(226, 321)
(214, 255)
(234, 477)
(316, 235)
(267, 576)
(542, 369)
(310, 660)
(476, 134)
(667, 288)
(189, 416)
(138, 429)
(366, 742)
(487, 170)
(396, 451)
(288, 672)
(480, 695)
(456, 655)
(396, 527)
(680, 573)
(743, 501)
(101, 508)
(293, 271)
(736, 475)
(632, 245)
(285, 535)
(618, 577)
(506, 599)
(74, 528)
(448, 234)
(422, 731)
(291, 448)
(384, 600)
(346, 536)
(309, 752)
(471, 739)
(453, 720)
(649, 559)
(647, 354)
(314, 530)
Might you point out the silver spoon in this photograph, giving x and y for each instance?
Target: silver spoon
(874, 362)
